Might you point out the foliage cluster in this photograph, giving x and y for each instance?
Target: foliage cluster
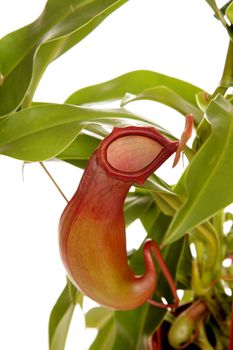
(192, 211)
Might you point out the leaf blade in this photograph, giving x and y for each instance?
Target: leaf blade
(206, 193)
(26, 53)
(133, 82)
(168, 97)
(61, 316)
(54, 126)
(98, 317)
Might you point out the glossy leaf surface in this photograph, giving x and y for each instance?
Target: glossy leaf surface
(105, 337)
(61, 316)
(98, 317)
(26, 52)
(53, 126)
(168, 97)
(81, 148)
(133, 83)
(135, 205)
(204, 181)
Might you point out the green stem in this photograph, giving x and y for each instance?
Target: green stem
(227, 75)
(218, 12)
(207, 234)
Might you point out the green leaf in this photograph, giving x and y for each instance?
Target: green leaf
(218, 12)
(206, 182)
(134, 83)
(52, 49)
(154, 183)
(43, 131)
(203, 99)
(163, 204)
(149, 217)
(98, 317)
(166, 199)
(185, 268)
(128, 327)
(61, 316)
(229, 11)
(105, 337)
(135, 205)
(168, 97)
(81, 148)
(79, 163)
(26, 52)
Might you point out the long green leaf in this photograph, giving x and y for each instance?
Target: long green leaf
(105, 337)
(41, 132)
(128, 326)
(133, 83)
(136, 204)
(207, 181)
(81, 148)
(185, 268)
(61, 316)
(58, 19)
(98, 317)
(26, 52)
(168, 97)
(52, 49)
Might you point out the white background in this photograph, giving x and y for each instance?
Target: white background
(178, 38)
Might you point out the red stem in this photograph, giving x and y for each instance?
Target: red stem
(155, 340)
(152, 245)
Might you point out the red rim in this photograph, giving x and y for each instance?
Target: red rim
(169, 147)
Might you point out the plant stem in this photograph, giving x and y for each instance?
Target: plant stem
(54, 182)
(202, 339)
(227, 75)
(217, 11)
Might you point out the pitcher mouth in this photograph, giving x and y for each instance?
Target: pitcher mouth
(151, 139)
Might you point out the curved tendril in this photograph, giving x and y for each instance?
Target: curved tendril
(152, 245)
